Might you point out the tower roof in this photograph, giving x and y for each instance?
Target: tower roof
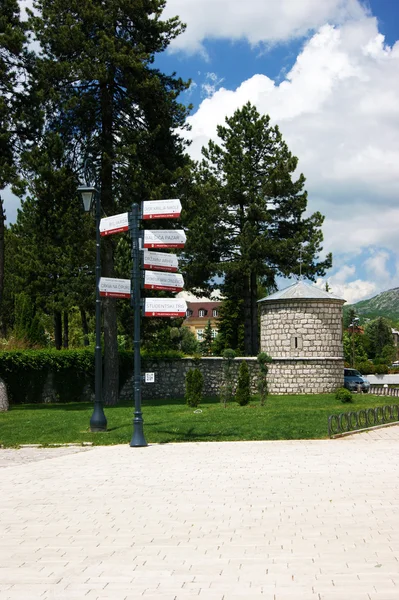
(302, 291)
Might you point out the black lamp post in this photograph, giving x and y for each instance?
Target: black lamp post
(98, 422)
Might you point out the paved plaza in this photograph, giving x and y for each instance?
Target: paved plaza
(213, 521)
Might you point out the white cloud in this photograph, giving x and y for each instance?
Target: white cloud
(352, 291)
(376, 265)
(257, 21)
(338, 110)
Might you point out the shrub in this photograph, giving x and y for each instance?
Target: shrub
(243, 385)
(343, 395)
(264, 360)
(194, 387)
(366, 368)
(381, 369)
(227, 387)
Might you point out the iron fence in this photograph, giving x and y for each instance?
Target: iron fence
(362, 419)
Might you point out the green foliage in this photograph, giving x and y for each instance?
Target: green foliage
(194, 387)
(263, 360)
(227, 386)
(245, 213)
(366, 367)
(207, 340)
(243, 392)
(343, 395)
(378, 335)
(381, 369)
(28, 325)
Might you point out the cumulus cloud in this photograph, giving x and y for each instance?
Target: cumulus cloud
(338, 110)
(257, 21)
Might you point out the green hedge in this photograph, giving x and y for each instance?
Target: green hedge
(26, 372)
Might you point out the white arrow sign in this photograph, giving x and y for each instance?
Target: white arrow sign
(115, 224)
(154, 280)
(164, 238)
(165, 307)
(114, 288)
(160, 261)
(161, 209)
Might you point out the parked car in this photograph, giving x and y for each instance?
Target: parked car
(353, 379)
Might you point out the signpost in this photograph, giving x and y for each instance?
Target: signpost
(160, 261)
(160, 274)
(172, 282)
(164, 238)
(115, 224)
(115, 288)
(165, 307)
(161, 209)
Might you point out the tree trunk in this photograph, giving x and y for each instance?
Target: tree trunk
(247, 317)
(254, 315)
(66, 329)
(111, 358)
(57, 330)
(85, 327)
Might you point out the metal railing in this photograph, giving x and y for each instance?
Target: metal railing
(384, 391)
(362, 419)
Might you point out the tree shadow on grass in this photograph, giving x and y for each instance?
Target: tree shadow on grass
(186, 436)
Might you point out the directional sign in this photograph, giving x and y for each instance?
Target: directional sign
(160, 261)
(114, 224)
(165, 307)
(154, 280)
(161, 209)
(114, 288)
(164, 238)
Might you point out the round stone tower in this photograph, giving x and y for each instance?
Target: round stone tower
(301, 329)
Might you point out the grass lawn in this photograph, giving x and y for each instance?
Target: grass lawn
(282, 418)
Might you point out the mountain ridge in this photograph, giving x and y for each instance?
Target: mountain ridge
(384, 304)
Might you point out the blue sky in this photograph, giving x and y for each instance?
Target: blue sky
(326, 71)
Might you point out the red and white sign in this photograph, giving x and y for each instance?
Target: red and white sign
(164, 238)
(115, 224)
(114, 288)
(165, 307)
(154, 280)
(161, 209)
(160, 261)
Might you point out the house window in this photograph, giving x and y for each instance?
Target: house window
(215, 312)
(201, 312)
(214, 333)
(189, 312)
(200, 334)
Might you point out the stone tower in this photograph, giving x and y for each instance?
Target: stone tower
(301, 329)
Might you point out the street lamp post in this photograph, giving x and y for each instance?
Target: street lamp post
(98, 421)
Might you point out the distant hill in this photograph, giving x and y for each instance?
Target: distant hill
(385, 304)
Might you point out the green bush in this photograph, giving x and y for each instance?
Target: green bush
(381, 369)
(366, 367)
(263, 388)
(194, 387)
(243, 385)
(343, 395)
(227, 386)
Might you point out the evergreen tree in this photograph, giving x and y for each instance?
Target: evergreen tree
(55, 239)
(245, 214)
(378, 335)
(12, 40)
(105, 98)
(207, 339)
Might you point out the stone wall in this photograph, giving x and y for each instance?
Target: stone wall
(301, 328)
(286, 376)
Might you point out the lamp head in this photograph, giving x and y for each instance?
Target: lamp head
(88, 193)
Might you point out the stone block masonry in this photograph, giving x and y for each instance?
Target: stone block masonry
(286, 376)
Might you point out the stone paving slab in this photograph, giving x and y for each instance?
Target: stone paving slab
(220, 521)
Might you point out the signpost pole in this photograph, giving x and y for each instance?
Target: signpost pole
(98, 421)
(138, 439)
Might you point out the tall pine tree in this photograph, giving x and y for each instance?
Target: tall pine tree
(103, 95)
(245, 214)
